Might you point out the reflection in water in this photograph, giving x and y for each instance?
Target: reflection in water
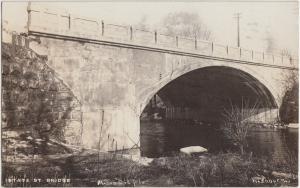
(161, 137)
(274, 144)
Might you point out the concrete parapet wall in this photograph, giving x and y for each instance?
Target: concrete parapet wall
(45, 21)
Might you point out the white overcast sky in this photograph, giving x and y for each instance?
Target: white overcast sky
(278, 19)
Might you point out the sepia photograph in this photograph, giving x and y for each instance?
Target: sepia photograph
(149, 93)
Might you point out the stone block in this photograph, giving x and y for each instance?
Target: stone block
(5, 93)
(20, 117)
(10, 118)
(44, 85)
(6, 82)
(66, 115)
(16, 68)
(23, 84)
(29, 74)
(15, 80)
(4, 119)
(31, 117)
(53, 87)
(14, 96)
(22, 98)
(29, 63)
(33, 83)
(8, 105)
(76, 115)
(5, 69)
(55, 116)
(6, 59)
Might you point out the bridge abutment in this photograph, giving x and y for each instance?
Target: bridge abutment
(111, 129)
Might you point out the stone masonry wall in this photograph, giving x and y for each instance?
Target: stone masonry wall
(32, 95)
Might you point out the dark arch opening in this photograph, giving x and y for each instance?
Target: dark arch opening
(194, 102)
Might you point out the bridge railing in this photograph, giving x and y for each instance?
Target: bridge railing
(204, 47)
(166, 40)
(45, 21)
(258, 56)
(143, 36)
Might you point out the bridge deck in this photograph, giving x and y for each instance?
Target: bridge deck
(64, 26)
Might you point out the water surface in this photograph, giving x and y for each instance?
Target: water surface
(161, 138)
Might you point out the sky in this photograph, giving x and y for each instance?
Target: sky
(259, 19)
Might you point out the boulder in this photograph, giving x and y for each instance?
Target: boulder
(283, 175)
(193, 149)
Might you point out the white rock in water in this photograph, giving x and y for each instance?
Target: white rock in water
(193, 149)
(293, 125)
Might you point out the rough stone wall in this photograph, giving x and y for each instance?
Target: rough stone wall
(33, 95)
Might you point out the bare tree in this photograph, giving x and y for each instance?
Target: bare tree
(142, 23)
(185, 24)
(291, 77)
(237, 122)
(270, 44)
(290, 80)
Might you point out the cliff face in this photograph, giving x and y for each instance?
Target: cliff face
(35, 99)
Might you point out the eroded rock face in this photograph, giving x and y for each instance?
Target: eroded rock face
(32, 94)
(193, 149)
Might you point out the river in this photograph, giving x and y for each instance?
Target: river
(162, 138)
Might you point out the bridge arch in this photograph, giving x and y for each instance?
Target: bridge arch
(190, 104)
(250, 75)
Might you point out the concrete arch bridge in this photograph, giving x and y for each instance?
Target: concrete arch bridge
(118, 72)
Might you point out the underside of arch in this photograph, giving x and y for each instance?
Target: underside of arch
(204, 94)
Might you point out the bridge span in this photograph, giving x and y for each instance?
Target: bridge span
(117, 71)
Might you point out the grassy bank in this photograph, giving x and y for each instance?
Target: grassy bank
(27, 162)
(107, 169)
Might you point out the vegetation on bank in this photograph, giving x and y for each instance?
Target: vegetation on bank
(110, 169)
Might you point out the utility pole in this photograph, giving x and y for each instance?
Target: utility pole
(238, 16)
